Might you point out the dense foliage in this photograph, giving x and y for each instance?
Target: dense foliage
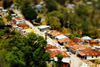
(21, 51)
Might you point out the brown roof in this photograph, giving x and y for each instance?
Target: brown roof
(70, 44)
(77, 39)
(89, 52)
(23, 25)
(56, 33)
(64, 40)
(94, 41)
(79, 47)
(51, 47)
(56, 52)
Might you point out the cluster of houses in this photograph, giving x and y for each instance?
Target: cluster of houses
(54, 50)
(19, 25)
(79, 46)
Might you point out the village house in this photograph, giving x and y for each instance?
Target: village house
(60, 37)
(54, 33)
(18, 20)
(77, 40)
(44, 28)
(94, 42)
(23, 25)
(78, 48)
(89, 53)
(64, 40)
(70, 44)
(53, 51)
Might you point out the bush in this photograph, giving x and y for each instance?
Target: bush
(11, 12)
(38, 20)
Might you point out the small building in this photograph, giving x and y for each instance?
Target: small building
(13, 15)
(4, 10)
(64, 40)
(86, 39)
(78, 48)
(66, 62)
(77, 40)
(94, 42)
(23, 25)
(61, 37)
(89, 53)
(18, 20)
(54, 33)
(44, 28)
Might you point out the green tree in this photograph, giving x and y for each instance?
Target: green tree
(1, 23)
(8, 17)
(7, 3)
(25, 51)
(59, 62)
(38, 20)
(29, 13)
(11, 12)
(62, 2)
(51, 5)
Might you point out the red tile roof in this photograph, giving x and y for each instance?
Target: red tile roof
(56, 52)
(64, 40)
(89, 52)
(23, 25)
(71, 44)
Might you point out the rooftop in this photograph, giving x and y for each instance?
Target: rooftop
(89, 52)
(79, 47)
(56, 52)
(56, 33)
(64, 40)
(51, 47)
(70, 44)
(23, 25)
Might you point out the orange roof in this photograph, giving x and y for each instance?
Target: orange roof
(70, 44)
(51, 47)
(94, 41)
(23, 25)
(55, 33)
(77, 39)
(79, 47)
(89, 52)
(16, 18)
(56, 52)
(64, 40)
